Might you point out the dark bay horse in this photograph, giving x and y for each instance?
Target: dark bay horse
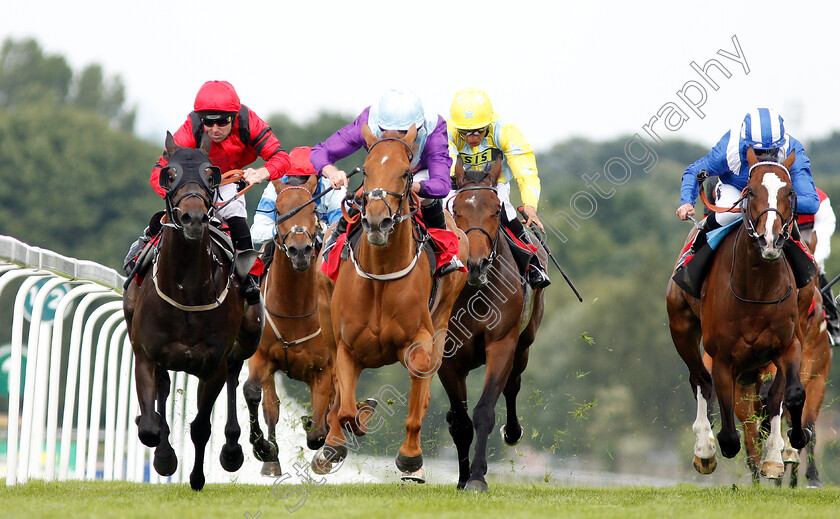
(189, 315)
(292, 340)
(494, 322)
(748, 316)
(379, 309)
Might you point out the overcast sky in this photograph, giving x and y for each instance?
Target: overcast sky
(557, 69)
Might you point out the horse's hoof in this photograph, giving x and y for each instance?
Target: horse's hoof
(790, 455)
(798, 441)
(510, 441)
(476, 486)
(461, 485)
(231, 457)
(166, 463)
(706, 466)
(265, 450)
(326, 457)
(772, 469)
(197, 481)
(409, 463)
(316, 443)
(271, 469)
(814, 483)
(149, 433)
(418, 476)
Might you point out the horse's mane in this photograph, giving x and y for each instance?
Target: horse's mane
(296, 180)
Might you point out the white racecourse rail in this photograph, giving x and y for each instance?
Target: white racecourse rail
(88, 378)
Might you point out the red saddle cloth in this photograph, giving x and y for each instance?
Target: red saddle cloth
(445, 248)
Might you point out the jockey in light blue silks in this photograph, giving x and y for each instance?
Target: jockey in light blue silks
(764, 130)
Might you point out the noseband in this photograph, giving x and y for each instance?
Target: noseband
(750, 222)
(379, 193)
(494, 240)
(295, 230)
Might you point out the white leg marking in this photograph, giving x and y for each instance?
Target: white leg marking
(704, 446)
(775, 443)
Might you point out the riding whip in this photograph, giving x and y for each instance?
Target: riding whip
(285, 216)
(535, 228)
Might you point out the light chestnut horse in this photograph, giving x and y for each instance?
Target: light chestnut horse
(378, 313)
(748, 316)
(291, 341)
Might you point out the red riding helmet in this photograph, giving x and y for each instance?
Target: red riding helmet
(217, 96)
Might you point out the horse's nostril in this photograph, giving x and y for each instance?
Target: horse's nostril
(307, 250)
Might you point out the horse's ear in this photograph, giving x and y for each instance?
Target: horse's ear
(410, 135)
(751, 158)
(170, 145)
(368, 135)
(311, 183)
(205, 144)
(496, 170)
(460, 176)
(788, 163)
(278, 185)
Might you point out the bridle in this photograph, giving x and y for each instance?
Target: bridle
(189, 171)
(494, 240)
(279, 240)
(750, 222)
(379, 193)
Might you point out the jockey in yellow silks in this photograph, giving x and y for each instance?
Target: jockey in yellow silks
(475, 130)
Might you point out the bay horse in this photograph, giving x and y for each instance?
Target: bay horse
(379, 312)
(494, 322)
(292, 341)
(816, 362)
(748, 316)
(189, 315)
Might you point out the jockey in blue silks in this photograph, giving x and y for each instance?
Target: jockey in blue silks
(764, 130)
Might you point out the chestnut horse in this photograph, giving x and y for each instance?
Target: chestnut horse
(379, 310)
(816, 362)
(494, 322)
(292, 340)
(748, 316)
(189, 315)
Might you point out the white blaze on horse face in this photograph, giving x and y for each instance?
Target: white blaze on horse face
(704, 446)
(772, 183)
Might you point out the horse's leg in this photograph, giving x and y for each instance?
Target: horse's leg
(748, 411)
(148, 423)
(271, 414)
(730, 442)
(259, 370)
(321, 391)
(772, 466)
(420, 360)
(815, 391)
(685, 334)
(499, 363)
(794, 394)
(231, 456)
(512, 430)
(343, 411)
(454, 380)
(208, 390)
(165, 462)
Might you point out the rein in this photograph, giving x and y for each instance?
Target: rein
(745, 300)
(296, 229)
(494, 240)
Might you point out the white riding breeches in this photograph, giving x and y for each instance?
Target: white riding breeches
(233, 209)
(725, 196)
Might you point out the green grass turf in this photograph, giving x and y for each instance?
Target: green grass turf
(129, 500)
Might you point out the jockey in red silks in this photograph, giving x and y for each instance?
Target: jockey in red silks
(238, 137)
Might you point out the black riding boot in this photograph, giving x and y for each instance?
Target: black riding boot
(433, 217)
(134, 250)
(240, 235)
(832, 316)
(535, 273)
(689, 276)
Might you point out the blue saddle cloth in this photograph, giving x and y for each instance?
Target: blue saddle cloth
(714, 237)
